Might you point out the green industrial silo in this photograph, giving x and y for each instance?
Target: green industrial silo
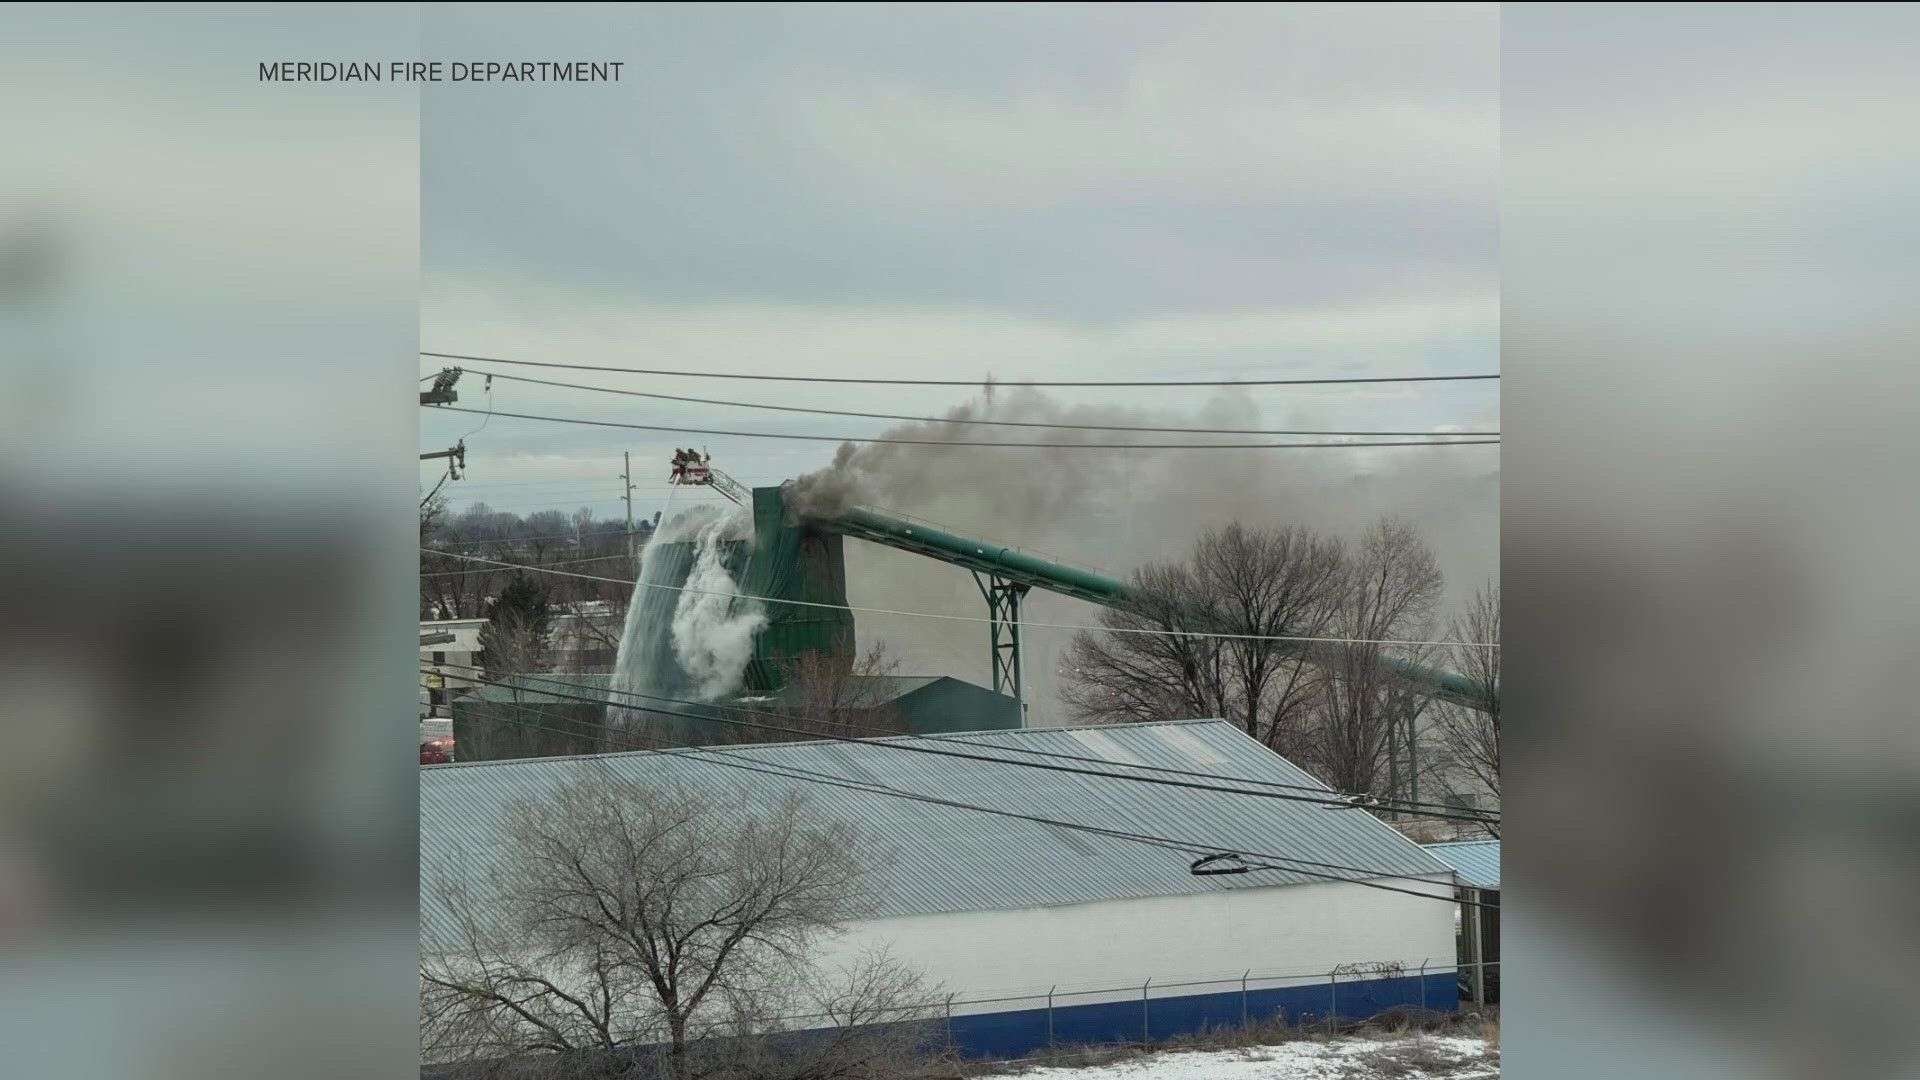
(790, 562)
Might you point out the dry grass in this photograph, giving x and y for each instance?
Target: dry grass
(1406, 1057)
(1404, 1022)
(1082, 1056)
(1418, 1054)
(1268, 1032)
(1410, 1053)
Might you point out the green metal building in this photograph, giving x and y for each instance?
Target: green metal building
(915, 704)
(554, 715)
(536, 716)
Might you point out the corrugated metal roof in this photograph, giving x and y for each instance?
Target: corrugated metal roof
(1477, 861)
(950, 859)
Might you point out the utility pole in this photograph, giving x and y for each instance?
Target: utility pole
(457, 452)
(626, 477)
(442, 391)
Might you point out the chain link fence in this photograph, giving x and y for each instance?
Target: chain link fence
(1158, 1009)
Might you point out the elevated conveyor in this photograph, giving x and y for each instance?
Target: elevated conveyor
(1006, 574)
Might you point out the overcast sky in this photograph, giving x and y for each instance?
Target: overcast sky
(1148, 192)
(1126, 192)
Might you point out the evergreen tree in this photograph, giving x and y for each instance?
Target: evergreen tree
(515, 639)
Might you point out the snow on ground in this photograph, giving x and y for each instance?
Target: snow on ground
(1427, 1057)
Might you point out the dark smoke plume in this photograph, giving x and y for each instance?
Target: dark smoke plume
(1116, 509)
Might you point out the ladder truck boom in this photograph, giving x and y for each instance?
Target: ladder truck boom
(695, 468)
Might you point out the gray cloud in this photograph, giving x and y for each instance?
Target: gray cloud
(1033, 192)
(1073, 164)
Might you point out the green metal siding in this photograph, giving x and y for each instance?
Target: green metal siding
(944, 706)
(793, 563)
(544, 716)
(532, 719)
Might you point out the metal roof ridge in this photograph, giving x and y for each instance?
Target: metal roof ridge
(739, 747)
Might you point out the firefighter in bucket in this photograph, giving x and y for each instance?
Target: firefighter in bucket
(689, 467)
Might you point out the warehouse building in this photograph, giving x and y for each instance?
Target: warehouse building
(1477, 862)
(543, 715)
(1046, 934)
(911, 704)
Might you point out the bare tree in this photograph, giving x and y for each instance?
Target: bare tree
(1267, 584)
(630, 922)
(869, 1021)
(451, 587)
(457, 587)
(587, 637)
(1470, 738)
(1333, 707)
(433, 511)
(1127, 677)
(1261, 583)
(848, 695)
(1362, 733)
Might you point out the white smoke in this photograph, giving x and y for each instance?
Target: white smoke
(713, 629)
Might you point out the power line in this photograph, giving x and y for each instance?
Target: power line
(591, 502)
(793, 771)
(546, 488)
(1322, 799)
(963, 382)
(1185, 847)
(963, 442)
(513, 497)
(1322, 791)
(524, 540)
(718, 757)
(588, 500)
(973, 739)
(955, 420)
(491, 485)
(657, 487)
(529, 566)
(975, 618)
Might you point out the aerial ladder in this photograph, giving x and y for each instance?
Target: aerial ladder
(695, 468)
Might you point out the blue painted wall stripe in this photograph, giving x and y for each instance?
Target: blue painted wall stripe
(1021, 1032)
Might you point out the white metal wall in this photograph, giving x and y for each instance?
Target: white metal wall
(1299, 930)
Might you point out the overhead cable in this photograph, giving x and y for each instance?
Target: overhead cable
(1302, 638)
(968, 420)
(761, 377)
(1325, 798)
(972, 442)
(717, 757)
